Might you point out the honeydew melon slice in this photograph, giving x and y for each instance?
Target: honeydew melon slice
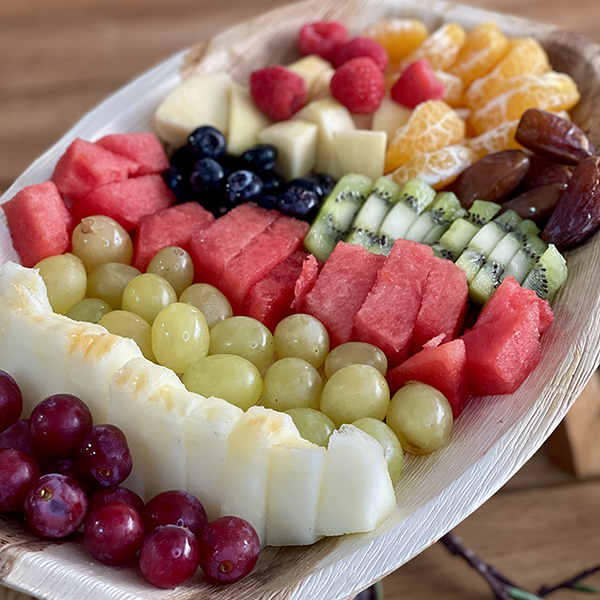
(316, 72)
(354, 461)
(361, 151)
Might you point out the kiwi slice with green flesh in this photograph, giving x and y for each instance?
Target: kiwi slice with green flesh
(482, 212)
(336, 214)
(364, 230)
(455, 240)
(429, 227)
(415, 197)
(548, 273)
(524, 260)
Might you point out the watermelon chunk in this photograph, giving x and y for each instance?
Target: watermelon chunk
(443, 305)
(219, 243)
(85, 166)
(442, 367)
(39, 223)
(306, 281)
(173, 226)
(502, 353)
(341, 288)
(143, 148)
(127, 202)
(387, 317)
(271, 247)
(511, 298)
(271, 298)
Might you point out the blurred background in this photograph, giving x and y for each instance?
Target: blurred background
(60, 58)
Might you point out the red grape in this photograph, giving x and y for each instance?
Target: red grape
(104, 455)
(55, 506)
(113, 533)
(229, 549)
(17, 437)
(68, 466)
(59, 424)
(175, 508)
(169, 556)
(116, 494)
(18, 472)
(11, 401)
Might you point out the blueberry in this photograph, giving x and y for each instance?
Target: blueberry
(231, 164)
(174, 179)
(243, 186)
(298, 202)
(183, 158)
(273, 182)
(207, 142)
(306, 183)
(267, 201)
(207, 176)
(326, 182)
(260, 158)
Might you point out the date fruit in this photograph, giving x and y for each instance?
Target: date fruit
(543, 172)
(538, 203)
(577, 214)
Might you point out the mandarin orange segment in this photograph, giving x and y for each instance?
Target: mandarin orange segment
(438, 168)
(551, 91)
(484, 48)
(440, 48)
(497, 139)
(524, 57)
(432, 125)
(399, 37)
(453, 88)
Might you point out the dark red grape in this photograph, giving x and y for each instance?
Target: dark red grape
(17, 437)
(18, 472)
(68, 466)
(104, 455)
(55, 506)
(229, 549)
(11, 401)
(116, 494)
(169, 556)
(113, 533)
(59, 424)
(175, 507)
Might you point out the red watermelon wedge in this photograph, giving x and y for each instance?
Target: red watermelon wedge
(143, 148)
(305, 282)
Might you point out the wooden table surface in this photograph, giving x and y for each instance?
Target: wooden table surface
(59, 58)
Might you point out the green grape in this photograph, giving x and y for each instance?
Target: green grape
(180, 336)
(175, 265)
(302, 336)
(146, 295)
(65, 279)
(245, 337)
(392, 449)
(126, 324)
(355, 392)
(90, 310)
(98, 240)
(291, 383)
(355, 353)
(108, 282)
(312, 425)
(213, 303)
(421, 417)
(226, 376)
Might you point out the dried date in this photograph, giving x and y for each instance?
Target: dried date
(538, 203)
(543, 172)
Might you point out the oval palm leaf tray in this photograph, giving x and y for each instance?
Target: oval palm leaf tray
(490, 441)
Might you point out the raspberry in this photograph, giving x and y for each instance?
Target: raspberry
(322, 38)
(359, 85)
(278, 92)
(360, 46)
(417, 84)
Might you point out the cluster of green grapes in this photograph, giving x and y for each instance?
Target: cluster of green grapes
(190, 328)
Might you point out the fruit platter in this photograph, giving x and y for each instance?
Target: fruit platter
(364, 523)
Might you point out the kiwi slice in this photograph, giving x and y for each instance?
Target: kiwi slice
(479, 248)
(429, 227)
(482, 212)
(364, 230)
(455, 240)
(336, 214)
(548, 273)
(524, 260)
(508, 221)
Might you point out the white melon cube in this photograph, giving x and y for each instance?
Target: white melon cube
(294, 493)
(248, 464)
(203, 99)
(330, 116)
(245, 120)
(316, 72)
(357, 493)
(361, 151)
(389, 117)
(296, 143)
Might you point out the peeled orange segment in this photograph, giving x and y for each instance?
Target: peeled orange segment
(484, 48)
(438, 168)
(453, 88)
(524, 57)
(432, 125)
(497, 139)
(399, 37)
(440, 48)
(551, 91)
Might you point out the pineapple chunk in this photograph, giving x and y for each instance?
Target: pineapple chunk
(389, 117)
(357, 493)
(361, 152)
